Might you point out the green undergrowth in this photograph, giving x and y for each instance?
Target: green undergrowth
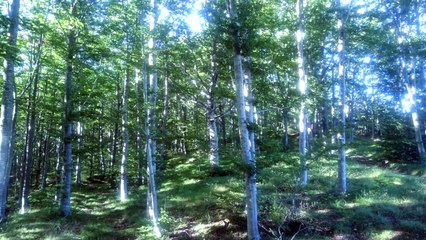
(198, 202)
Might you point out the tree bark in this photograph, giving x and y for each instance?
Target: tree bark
(211, 120)
(68, 133)
(79, 158)
(8, 107)
(285, 132)
(150, 96)
(342, 81)
(243, 124)
(303, 130)
(125, 132)
(139, 149)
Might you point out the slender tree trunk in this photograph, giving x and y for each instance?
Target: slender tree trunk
(351, 117)
(342, 81)
(303, 130)
(212, 135)
(285, 124)
(46, 163)
(164, 121)
(125, 131)
(211, 118)
(139, 149)
(101, 143)
(66, 192)
(150, 95)
(58, 171)
(79, 158)
(333, 108)
(247, 151)
(8, 107)
(250, 107)
(222, 125)
(114, 140)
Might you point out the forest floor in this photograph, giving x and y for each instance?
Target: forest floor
(197, 203)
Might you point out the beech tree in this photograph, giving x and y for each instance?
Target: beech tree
(303, 82)
(341, 21)
(247, 150)
(150, 99)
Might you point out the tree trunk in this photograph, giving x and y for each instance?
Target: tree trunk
(250, 107)
(139, 149)
(164, 121)
(285, 132)
(114, 140)
(79, 158)
(150, 95)
(58, 171)
(243, 124)
(46, 163)
(222, 125)
(342, 81)
(101, 143)
(66, 192)
(303, 133)
(8, 107)
(125, 131)
(211, 122)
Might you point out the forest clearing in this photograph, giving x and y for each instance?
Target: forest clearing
(213, 119)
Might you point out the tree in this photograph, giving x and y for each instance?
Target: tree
(341, 78)
(303, 82)
(8, 107)
(150, 99)
(68, 123)
(247, 151)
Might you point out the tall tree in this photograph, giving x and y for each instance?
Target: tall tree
(150, 97)
(8, 107)
(68, 123)
(341, 78)
(125, 120)
(244, 123)
(303, 82)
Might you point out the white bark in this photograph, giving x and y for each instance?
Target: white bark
(150, 96)
(212, 122)
(342, 81)
(125, 132)
(303, 130)
(243, 124)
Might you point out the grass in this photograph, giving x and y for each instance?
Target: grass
(198, 203)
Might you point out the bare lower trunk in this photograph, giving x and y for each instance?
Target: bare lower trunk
(150, 96)
(58, 171)
(246, 150)
(79, 158)
(46, 164)
(342, 80)
(285, 132)
(303, 129)
(125, 131)
(211, 122)
(66, 191)
(213, 139)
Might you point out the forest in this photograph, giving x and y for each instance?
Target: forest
(213, 119)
